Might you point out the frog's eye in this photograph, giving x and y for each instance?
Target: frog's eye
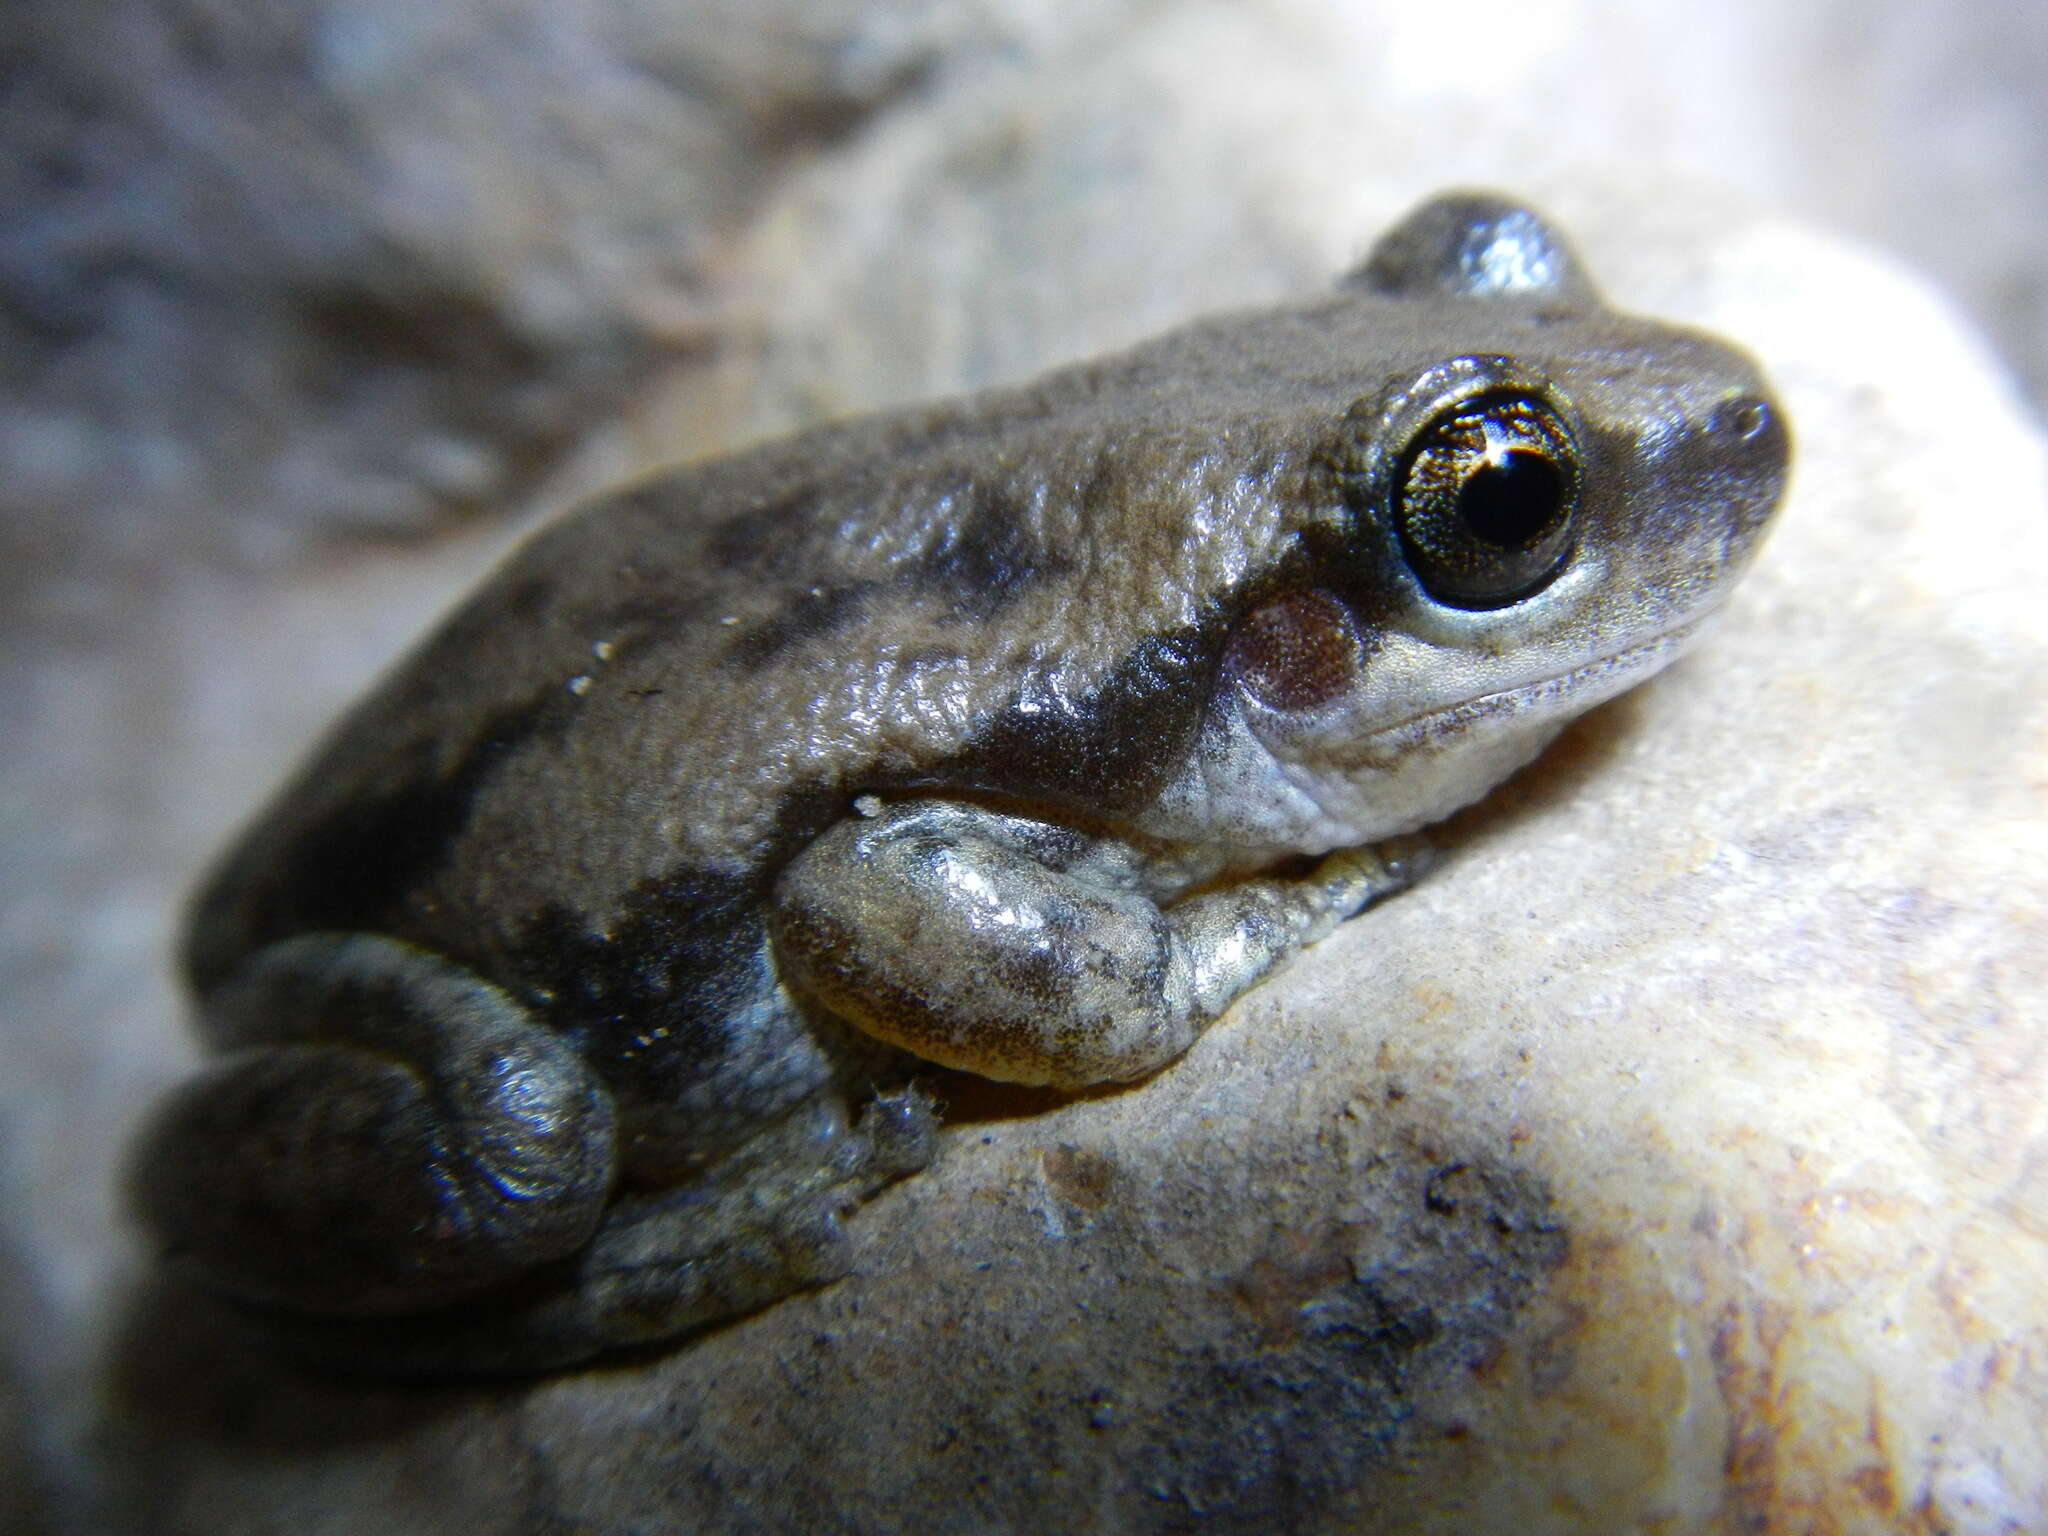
(1484, 498)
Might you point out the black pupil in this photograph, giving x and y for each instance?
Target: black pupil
(1511, 502)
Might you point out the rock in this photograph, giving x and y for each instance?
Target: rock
(299, 271)
(1673, 1158)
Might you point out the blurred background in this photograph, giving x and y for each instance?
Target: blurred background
(306, 306)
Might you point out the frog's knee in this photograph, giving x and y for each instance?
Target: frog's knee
(386, 1132)
(978, 940)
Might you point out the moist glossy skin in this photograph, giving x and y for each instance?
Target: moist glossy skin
(563, 1001)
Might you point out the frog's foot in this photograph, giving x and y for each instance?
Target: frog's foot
(664, 1264)
(386, 1132)
(1351, 879)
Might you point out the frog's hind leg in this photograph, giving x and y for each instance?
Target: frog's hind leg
(754, 1229)
(767, 1224)
(385, 1132)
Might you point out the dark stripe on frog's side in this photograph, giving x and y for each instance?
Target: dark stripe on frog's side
(1105, 754)
(682, 951)
(650, 994)
(359, 862)
(647, 988)
(682, 935)
(353, 869)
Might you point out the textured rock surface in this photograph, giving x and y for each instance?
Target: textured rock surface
(1731, 1012)
(1676, 1158)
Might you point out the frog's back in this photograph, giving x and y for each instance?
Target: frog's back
(675, 686)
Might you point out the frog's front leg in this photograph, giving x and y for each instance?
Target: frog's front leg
(385, 1132)
(1026, 951)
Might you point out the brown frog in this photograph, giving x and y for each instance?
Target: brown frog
(567, 998)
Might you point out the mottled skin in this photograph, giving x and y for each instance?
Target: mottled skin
(562, 999)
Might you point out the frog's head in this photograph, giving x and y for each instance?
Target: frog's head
(1539, 500)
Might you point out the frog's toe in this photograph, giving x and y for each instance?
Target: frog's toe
(1353, 878)
(1406, 860)
(900, 1133)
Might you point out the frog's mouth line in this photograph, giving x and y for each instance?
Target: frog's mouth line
(1605, 676)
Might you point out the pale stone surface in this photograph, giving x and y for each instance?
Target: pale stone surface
(1747, 977)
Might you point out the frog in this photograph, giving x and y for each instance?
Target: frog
(594, 971)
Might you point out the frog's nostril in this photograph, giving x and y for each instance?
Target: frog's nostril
(1746, 417)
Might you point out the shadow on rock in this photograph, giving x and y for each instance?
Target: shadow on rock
(185, 1371)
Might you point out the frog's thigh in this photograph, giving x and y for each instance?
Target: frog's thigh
(386, 1132)
(1027, 952)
